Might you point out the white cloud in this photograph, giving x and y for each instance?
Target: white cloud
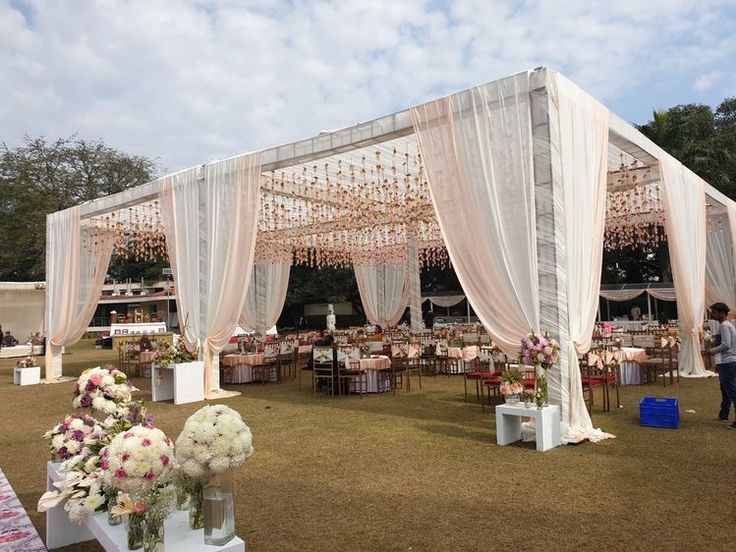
(191, 81)
(706, 81)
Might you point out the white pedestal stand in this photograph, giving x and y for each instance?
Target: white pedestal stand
(182, 382)
(178, 537)
(546, 424)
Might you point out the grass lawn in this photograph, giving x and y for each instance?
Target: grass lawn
(421, 471)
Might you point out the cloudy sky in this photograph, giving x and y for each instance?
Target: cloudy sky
(188, 81)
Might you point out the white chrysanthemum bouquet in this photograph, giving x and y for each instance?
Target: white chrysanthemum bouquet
(137, 459)
(106, 391)
(214, 439)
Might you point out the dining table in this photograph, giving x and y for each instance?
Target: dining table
(238, 368)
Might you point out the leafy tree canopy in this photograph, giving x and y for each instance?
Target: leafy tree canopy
(40, 177)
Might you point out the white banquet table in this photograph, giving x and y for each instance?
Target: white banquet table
(239, 368)
(629, 369)
(372, 367)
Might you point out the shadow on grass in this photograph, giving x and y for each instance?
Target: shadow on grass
(459, 432)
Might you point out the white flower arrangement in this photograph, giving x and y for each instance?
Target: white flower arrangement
(137, 459)
(214, 439)
(69, 437)
(107, 391)
(82, 491)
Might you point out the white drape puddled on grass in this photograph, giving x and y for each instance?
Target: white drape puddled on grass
(621, 295)
(266, 295)
(685, 224)
(720, 280)
(75, 274)
(210, 227)
(384, 292)
(477, 150)
(583, 126)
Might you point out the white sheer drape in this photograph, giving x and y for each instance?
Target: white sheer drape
(210, 228)
(477, 151)
(413, 269)
(75, 274)
(621, 294)
(384, 292)
(583, 125)
(720, 280)
(685, 224)
(666, 294)
(266, 295)
(446, 301)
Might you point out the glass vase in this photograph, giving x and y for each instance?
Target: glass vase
(153, 536)
(511, 398)
(541, 390)
(112, 519)
(196, 512)
(135, 529)
(219, 509)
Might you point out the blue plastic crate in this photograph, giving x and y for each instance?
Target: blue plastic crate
(659, 412)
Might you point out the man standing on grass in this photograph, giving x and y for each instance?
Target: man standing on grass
(726, 364)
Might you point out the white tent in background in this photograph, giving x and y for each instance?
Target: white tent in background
(21, 308)
(511, 177)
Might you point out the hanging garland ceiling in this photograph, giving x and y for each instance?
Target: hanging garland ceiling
(362, 207)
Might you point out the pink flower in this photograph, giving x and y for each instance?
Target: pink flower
(125, 457)
(120, 473)
(104, 464)
(164, 460)
(146, 442)
(128, 435)
(96, 379)
(149, 475)
(139, 508)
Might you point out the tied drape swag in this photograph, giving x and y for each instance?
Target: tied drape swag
(210, 220)
(384, 292)
(266, 295)
(685, 224)
(75, 274)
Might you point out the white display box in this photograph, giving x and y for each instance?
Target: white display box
(177, 535)
(30, 375)
(182, 382)
(546, 424)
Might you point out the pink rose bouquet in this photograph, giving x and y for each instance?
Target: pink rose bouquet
(540, 350)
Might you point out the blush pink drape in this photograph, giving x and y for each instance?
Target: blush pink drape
(75, 273)
(210, 225)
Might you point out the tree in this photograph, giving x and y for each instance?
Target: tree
(702, 140)
(41, 177)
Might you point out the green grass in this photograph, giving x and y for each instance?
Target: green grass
(421, 471)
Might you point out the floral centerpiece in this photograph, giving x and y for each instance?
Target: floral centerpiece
(173, 354)
(511, 387)
(69, 437)
(154, 506)
(542, 351)
(27, 362)
(214, 440)
(105, 390)
(79, 439)
(138, 462)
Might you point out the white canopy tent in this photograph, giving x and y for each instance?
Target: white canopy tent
(514, 178)
(21, 308)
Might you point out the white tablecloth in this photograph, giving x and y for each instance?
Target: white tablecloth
(375, 382)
